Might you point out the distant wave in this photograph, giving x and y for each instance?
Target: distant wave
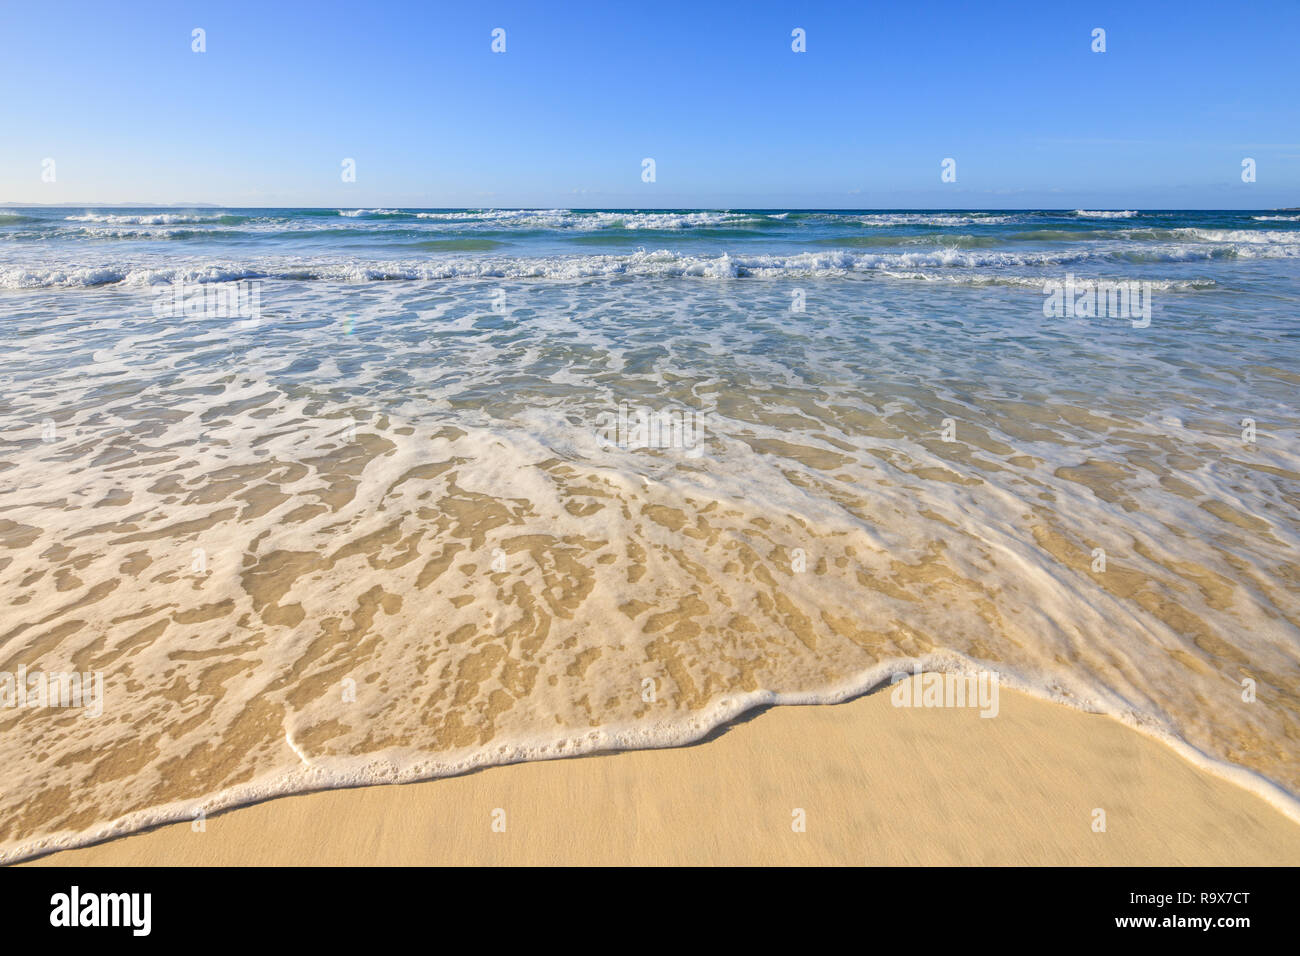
(1106, 213)
(672, 220)
(154, 219)
(150, 233)
(566, 219)
(922, 219)
(983, 266)
(1252, 236)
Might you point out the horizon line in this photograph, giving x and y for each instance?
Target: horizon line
(182, 205)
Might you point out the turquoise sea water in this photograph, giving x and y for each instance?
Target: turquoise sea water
(47, 246)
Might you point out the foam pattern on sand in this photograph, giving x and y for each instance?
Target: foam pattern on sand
(385, 531)
(382, 533)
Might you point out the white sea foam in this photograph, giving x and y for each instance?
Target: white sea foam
(1106, 213)
(1251, 236)
(404, 766)
(926, 219)
(564, 219)
(152, 219)
(661, 263)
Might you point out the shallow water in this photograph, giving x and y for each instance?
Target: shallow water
(399, 524)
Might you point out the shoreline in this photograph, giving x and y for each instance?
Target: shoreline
(876, 784)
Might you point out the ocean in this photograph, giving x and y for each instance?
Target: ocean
(322, 497)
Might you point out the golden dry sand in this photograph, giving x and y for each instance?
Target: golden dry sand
(877, 784)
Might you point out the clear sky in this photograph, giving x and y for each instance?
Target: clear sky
(412, 91)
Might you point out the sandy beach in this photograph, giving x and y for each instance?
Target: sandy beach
(876, 784)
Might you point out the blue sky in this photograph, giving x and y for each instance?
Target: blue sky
(711, 91)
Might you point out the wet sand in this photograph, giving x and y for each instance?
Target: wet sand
(876, 784)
